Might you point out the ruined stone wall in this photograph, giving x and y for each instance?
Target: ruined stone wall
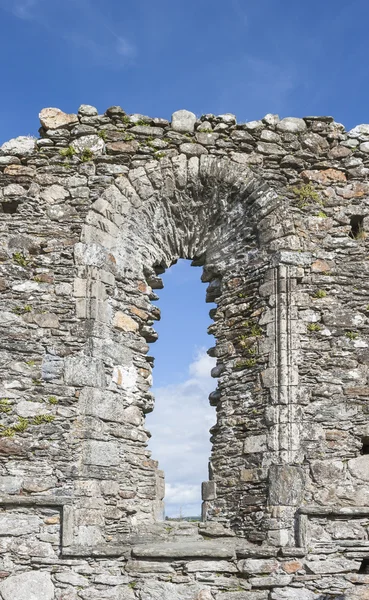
(275, 212)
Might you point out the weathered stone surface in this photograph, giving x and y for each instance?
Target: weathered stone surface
(18, 524)
(103, 454)
(339, 565)
(273, 149)
(192, 149)
(254, 595)
(30, 585)
(255, 443)
(291, 125)
(292, 593)
(204, 595)
(71, 578)
(183, 121)
(155, 590)
(315, 143)
(211, 566)
(286, 485)
(92, 143)
(54, 194)
(359, 130)
(253, 125)
(320, 266)
(122, 147)
(359, 467)
(20, 146)
(358, 593)
(324, 177)
(10, 485)
(112, 593)
(276, 213)
(253, 566)
(84, 370)
(54, 118)
(87, 110)
(124, 322)
(339, 152)
(184, 550)
(208, 490)
(19, 170)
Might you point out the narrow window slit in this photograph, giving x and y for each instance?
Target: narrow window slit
(182, 417)
(10, 207)
(357, 227)
(364, 567)
(365, 445)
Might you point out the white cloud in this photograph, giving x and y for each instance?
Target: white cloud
(180, 427)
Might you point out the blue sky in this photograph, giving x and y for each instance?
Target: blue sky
(182, 417)
(209, 56)
(239, 56)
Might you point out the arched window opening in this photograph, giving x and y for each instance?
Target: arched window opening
(182, 415)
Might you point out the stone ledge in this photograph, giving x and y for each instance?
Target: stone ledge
(79, 551)
(185, 550)
(350, 511)
(35, 501)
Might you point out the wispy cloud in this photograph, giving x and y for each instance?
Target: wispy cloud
(23, 9)
(180, 427)
(79, 23)
(106, 52)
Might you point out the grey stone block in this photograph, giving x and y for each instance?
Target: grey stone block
(208, 490)
(30, 585)
(104, 454)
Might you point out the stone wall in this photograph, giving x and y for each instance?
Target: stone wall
(275, 212)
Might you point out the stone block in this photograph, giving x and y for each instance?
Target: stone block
(110, 593)
(270, 582)
(292, 593)
(211, 566)
(156, 590)
(357, 593)
(54, 118)
(18, 524)
(104, 454)
(254, 595)
(254, 443)
(291, 125)
(10, 485)
(331, 566)
(30, 585)
(192, 149)
(286, 485)
(359, 467)
(71, 578)
(183, 121)
(255, 566)
(180, 550)
(94, 143)
(124, 322)
(84, 370)
(20, 146)
(208, 490)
